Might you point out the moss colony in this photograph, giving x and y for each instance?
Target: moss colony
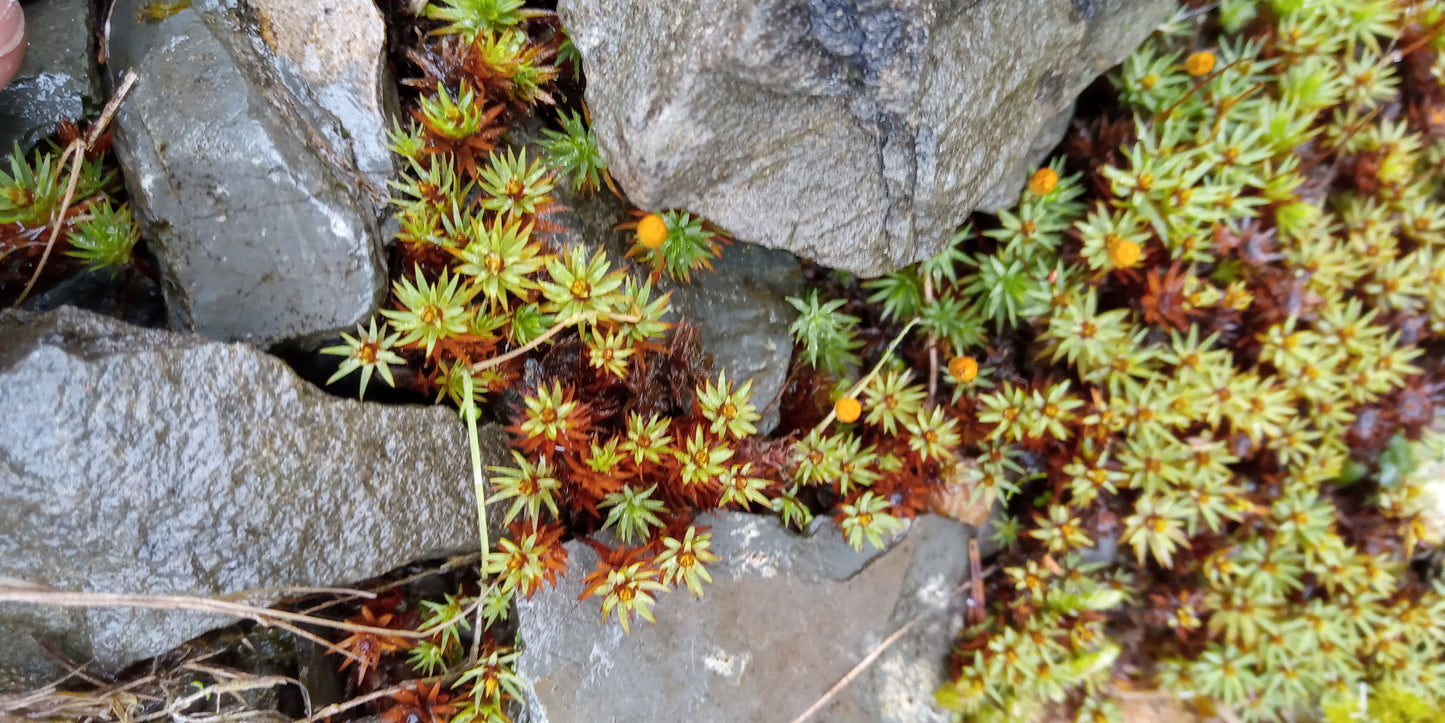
(97, 233)
(1193, 366)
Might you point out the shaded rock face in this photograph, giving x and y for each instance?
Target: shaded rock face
(244, 179)
(126, 294)
(58, 77)
(786, 617)
(145, 461)
(857, 133)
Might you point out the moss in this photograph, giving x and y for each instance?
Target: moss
(1213, 302)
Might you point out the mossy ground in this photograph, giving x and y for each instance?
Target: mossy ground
(1195, 364)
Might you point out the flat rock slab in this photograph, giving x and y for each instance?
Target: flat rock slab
(246, 184)
(857, 134)
(145, 461)
(786, 618)
(58, 78)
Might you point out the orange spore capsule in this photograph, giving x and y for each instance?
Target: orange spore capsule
(1123, 253)
(1199, 63)
(651, 231)
(963, 368)
(1043, 181)
(848, 409)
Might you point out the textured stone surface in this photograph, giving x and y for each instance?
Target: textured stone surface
(338, 47)
(58, 77)
(244, 181)
(134, 460)
(786, 617)
(855, 133)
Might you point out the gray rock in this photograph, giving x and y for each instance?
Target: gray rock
(785, 619)
(739, 307)
(339, 48)
(124, 293)
(58, 78)
(245, 183)
(1007, 192)
(859, 134)
(145, 461)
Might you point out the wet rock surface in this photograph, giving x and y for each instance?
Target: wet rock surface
(857, 134)
(338, 47)
(786, 618)
(144, 461)
(58, 78)
(245, 182)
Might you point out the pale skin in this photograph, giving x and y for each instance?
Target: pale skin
(12, 39)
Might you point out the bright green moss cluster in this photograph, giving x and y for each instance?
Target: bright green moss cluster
(1187, 363)
(1280, 210)
(1215, 320)
(32, 194)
